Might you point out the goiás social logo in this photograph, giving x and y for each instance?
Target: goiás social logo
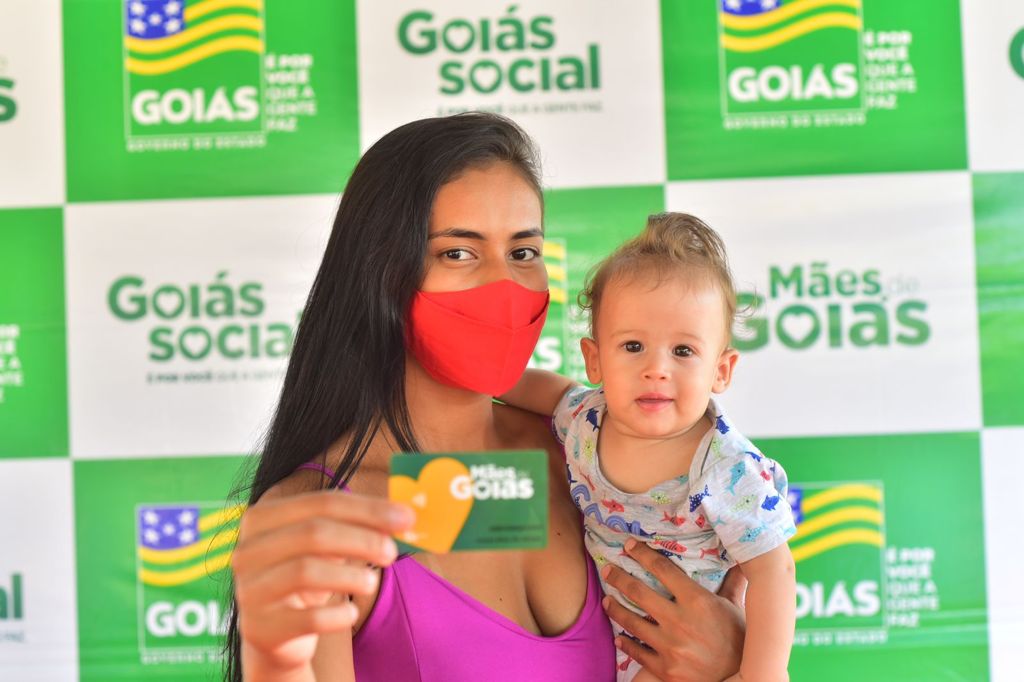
(816, 305)
(222, 322)
(512, 52)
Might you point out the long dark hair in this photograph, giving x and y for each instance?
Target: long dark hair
(346, 374)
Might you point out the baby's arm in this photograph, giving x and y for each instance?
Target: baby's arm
(538, 391)
(771, 616)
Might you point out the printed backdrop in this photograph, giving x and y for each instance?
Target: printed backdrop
(168, 174)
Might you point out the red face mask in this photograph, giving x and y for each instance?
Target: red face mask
(478, 339)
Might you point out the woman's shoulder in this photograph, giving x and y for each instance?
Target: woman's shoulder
(298, 482)
(370, 479)
(522, 430)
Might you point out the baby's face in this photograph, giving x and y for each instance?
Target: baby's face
(660, 352)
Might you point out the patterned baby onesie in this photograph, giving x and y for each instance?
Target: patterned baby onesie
(730, 508)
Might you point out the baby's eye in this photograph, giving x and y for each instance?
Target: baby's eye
(682, 351)
(527, 253)
(633, 346)
(456, 254)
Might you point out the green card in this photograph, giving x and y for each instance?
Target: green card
(472, 500)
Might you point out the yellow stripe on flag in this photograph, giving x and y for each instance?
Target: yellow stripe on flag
(856, 536)
(834, 518)
(205, 51)
(203, 8)
(556, 272)
(185, 575)
(554, 250)
(220, 517)
(791, 32)
(853, 491)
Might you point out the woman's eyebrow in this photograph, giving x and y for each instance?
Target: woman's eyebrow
(458, 233)
(461, 233)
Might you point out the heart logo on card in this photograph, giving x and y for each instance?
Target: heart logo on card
(439, 497)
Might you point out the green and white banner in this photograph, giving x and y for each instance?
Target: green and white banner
(882, 570)
(169, 170)
(802, 87)
(160, 535)
(186, 98)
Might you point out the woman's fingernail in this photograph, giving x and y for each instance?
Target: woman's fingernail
(618, 643)
(630, 544)
(349, 611)
(606, 570)
(390, 550)
(401, 516)
(606, 603)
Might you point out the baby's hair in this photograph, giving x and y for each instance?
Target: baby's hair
(672, 244)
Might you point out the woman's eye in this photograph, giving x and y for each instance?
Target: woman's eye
(456, 254)
(682, 351)
(525, 254)
(633, 346)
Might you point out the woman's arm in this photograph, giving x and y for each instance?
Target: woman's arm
(697, 636)
(771, 616)
(538, 391)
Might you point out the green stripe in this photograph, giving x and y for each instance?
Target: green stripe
(155, 56)
(198, 561)
(223, 13)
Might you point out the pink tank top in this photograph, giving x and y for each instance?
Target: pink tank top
(424, 629)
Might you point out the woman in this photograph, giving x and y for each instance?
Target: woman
(448, 210)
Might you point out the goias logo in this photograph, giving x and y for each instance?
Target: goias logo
(782, 56)
(193, 66)
(486, 54)
(197, 321)
(816, 306)
(180, 551)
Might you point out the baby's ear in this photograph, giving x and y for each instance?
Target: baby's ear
(591, 359)
(726, 365)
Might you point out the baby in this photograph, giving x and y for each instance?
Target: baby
(650, 453)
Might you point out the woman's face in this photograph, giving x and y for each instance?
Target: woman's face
(485, 226)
